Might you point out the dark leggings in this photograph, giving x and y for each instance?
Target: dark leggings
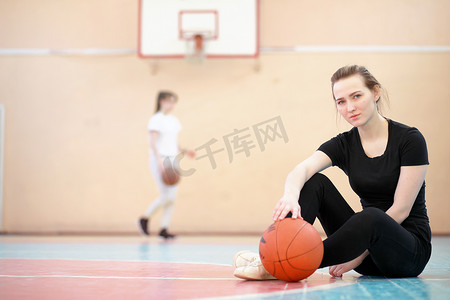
(393, 250)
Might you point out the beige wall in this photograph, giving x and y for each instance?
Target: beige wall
(76, 150)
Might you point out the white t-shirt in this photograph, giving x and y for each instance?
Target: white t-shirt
(168, 127)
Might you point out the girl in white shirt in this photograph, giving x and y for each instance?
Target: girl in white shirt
(163, 129)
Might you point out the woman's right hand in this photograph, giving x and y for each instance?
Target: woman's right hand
(285, 205)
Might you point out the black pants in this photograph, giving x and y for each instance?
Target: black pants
(393, 250)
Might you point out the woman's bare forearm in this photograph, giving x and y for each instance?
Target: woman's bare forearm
(295, 181)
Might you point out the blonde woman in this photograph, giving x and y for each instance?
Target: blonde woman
(386, 162)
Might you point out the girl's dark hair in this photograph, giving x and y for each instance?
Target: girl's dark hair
(369, 80)
(164, 95)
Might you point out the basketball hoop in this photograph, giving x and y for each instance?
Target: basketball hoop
(198, 29)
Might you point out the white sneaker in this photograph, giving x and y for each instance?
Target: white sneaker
(244, 258)
(253, 271)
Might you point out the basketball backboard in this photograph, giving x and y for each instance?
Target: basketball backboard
(213, 28)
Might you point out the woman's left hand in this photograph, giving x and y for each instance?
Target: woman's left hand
(338, 270)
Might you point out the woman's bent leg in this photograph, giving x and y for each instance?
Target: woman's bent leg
(320, 198)
(393, 251)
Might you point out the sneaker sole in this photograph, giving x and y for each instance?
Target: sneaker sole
(254, 279)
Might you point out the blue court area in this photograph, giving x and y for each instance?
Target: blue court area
(187, 268)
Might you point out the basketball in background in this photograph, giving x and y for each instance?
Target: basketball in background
(170, 176)
(291, 249)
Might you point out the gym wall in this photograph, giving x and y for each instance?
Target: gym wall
(76, 145)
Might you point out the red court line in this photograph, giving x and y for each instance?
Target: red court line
(83, 279)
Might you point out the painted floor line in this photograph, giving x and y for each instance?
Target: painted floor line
(114, 260)
(118, 277)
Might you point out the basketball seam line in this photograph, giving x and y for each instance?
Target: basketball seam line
(305, 252)
(301, 255)
(287, 260)
(293, 238)
(278, 254)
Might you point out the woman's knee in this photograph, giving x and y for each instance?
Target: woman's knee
(370, 219)
(318, 177)
(316, 185)
(373, 214)
(316, 181)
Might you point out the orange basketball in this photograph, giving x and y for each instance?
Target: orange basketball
(291, 249)
(170, 176)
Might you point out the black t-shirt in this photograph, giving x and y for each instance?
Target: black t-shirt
(375, 179)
